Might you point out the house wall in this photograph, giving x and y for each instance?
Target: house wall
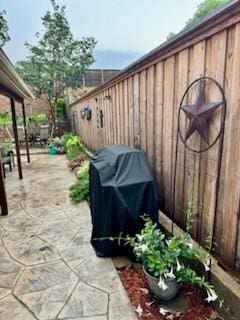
(32, 108)
(140, 108)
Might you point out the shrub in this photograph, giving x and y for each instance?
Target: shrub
(41, 117)
(65, 137)
(61, 108)
(5, 118)
(79, 191)
(74, 147)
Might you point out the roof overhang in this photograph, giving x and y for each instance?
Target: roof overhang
(11, 84)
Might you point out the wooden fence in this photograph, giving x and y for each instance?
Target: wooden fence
(139, 107)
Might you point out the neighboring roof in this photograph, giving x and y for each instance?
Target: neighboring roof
(205, 26)
(10, 79)
(96, 77)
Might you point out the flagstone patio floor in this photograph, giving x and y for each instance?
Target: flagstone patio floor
(48, 269)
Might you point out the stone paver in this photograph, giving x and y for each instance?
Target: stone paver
(48, 269)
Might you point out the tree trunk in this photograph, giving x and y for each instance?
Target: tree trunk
(53, 118)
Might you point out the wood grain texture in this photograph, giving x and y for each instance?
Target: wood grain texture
(150, 111)
(227, 88)
(142, 112)
(168, 110)
(158, 119)
(232, 170)
(143, 109)
(182, 71)
(136, 111)
(126, 112)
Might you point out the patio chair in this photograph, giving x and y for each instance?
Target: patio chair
(43, 134)
(32, 131)
(21, 135)
(7, 158)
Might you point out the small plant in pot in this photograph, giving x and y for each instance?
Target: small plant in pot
(167, 261)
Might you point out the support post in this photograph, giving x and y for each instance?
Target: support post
(3, 198)
(25, 132)
(14, 120)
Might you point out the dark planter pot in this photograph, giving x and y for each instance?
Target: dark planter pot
(164, 295)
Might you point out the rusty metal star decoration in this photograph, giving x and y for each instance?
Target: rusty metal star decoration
(199, 114)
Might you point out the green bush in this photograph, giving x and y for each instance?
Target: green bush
(74, 147)
(5, 118)
(38, 117)
(65, 137)
(61, 108)
(79, 191)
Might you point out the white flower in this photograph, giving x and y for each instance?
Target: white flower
(139, 237)
(143, 247)
(162, 284)
(163, 311)
(139, 310)
(168, 242)
(170, 274)
(190, 245)
(206, 264)
(179, 266)
(212, 296)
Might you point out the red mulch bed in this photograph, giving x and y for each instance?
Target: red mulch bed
(77, 162)
(136, 284)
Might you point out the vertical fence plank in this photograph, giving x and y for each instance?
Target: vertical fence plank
(232, 172)
(111, 139)
(227, 88)
(215, 68)
(114, 115)
(130, 102)
(143, 110)
(126, 112)
(121, 112)
(136, 111)
(150, 109)
(182, 70)
(197, 69)
(117, 115)
(168, 131)
(158, 118)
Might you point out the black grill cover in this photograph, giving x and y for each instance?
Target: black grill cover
(122, 188)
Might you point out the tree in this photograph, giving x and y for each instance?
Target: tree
(58, 60)
(4, 36)
(204, 8)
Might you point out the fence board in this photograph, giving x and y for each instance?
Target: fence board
(158, 118)
(227, 88)
(232, 173)
(126, 112)
(150, 110)
(197, 70)
(168, 131)
(130, 102)
(143, 109)
(121, 111)
(215, 68)
(136, 113)
(182, 71)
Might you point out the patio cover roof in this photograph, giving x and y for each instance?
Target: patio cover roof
(11, 83)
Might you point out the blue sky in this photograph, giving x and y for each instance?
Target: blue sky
(124, 29)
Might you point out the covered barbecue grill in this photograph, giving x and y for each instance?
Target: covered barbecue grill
(122, 188)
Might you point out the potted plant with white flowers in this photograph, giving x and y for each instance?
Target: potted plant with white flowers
(167, 261)
(170, 261)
